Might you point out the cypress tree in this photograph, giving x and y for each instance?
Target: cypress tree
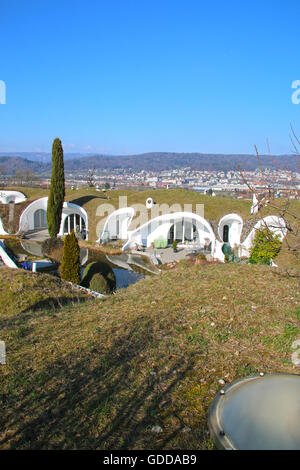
(70, 267)
(57, 189)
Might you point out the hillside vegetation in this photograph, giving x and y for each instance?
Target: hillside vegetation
(102, 374)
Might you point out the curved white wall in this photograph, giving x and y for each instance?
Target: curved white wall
(27, 217)
(6, 197)
(160, 226)
(6, 258)
(117, 223)
(2, 230)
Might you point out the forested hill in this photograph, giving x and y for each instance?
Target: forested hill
(156, 161)
(159, 161)
(13, 165)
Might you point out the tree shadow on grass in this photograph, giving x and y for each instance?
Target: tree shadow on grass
(55, 303)
(100, 399)
(40, 309)
(81, 201)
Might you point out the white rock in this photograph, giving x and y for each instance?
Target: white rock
(2, 353)
(157, 429)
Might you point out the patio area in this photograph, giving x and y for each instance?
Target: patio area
(167, 255)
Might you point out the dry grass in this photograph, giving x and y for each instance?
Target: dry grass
(109, 249)
(100, 375)
(21, 291)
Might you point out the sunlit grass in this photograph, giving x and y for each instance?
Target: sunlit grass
(101, 374)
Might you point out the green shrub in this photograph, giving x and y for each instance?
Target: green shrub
(105, 271)
(99, 284)
(265, 247)
(70, 267)
(226, 248)
(174, 245)
(160, 242)
(227, 258)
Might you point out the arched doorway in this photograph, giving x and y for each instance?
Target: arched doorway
(183, 230)
(226, 233)
(40, 219)
(75, 222)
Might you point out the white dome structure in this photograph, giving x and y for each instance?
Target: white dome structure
(180, 226)
(230, 229)
(34, 217)
(8, 197)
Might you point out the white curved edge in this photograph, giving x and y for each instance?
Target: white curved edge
(7, 196)
(123, 211)
(77, 209)
(24, 222)
(232, 217)
(174, 217)
(2, 230)
(26, 219)
(6, 258)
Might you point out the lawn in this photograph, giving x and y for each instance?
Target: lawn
(101, 374)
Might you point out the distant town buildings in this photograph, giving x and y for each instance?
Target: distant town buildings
(203, 181)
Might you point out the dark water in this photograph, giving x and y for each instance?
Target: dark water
(125, 278)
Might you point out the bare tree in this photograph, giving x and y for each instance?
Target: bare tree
(90, 177)
(2, 176)
(284, 207)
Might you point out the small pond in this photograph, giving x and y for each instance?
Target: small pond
(127, 268)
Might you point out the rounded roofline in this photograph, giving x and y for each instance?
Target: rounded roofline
(175, 215)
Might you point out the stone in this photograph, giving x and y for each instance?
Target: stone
(2, 353)
(157, 429)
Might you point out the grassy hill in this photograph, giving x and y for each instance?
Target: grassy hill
(22, 291)
(101, 374)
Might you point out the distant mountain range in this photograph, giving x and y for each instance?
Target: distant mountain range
(156, 161)
(42, 156)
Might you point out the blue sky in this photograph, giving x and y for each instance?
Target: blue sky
(135, 76)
